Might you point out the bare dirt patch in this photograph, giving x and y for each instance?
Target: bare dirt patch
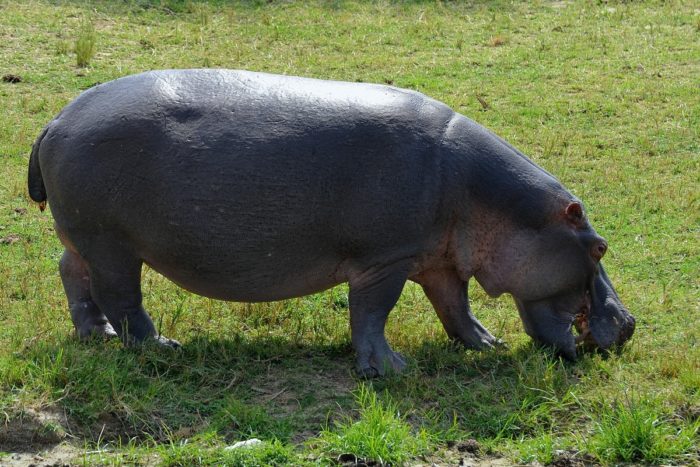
(572, 459)
(36, 437)
(30, 430)
(60, 455)
(452, 458)
(312, 396)
(11, 78)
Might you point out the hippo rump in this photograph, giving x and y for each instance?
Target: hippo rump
(256, 187)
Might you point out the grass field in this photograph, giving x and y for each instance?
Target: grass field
(604, 95)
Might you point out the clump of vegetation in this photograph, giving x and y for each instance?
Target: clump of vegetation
(380, 433)
(265, 454)
(85, 43)
(633, 431)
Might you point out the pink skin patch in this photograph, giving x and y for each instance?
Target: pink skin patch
(581, 322)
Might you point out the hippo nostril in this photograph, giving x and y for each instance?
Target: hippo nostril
(602, 248)
(599, 249)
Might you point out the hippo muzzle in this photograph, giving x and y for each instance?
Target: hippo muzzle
(606, 322)
(598, 315)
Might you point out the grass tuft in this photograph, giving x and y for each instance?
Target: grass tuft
(85, 43)
(633, 431)
(248, 421)
(380, 434)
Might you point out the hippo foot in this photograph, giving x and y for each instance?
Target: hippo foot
(165, 342)
(499, 344)
(157, 341)
(482, 340)
(88, 332)
(90, 322)
(389, 362)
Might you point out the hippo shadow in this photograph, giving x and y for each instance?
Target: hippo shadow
(238, 387)
(272, 388)
(500, 393)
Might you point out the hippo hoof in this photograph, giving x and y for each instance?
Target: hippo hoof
(393, 362)
(499, 344)
(97, 331)
(379, 365)
(163, 341)
(157, 341)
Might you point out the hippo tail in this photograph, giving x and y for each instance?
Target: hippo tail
(35, 181)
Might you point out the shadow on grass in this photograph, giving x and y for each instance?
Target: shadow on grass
(488, 395)
(271, 388)
(234, 388)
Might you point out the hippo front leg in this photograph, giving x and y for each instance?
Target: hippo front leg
(372, 296)
(448, 295)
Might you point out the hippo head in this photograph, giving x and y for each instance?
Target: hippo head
(558, 283)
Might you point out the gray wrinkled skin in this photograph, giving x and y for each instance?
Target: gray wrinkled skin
(254, 187)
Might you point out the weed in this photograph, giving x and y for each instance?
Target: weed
(540, 448)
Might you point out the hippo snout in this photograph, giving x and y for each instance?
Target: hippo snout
(612, 327)
(627, 329)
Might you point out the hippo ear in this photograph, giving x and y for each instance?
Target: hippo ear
(574, 213)
(609, 321)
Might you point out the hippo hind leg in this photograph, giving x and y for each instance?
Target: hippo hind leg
(87, 318)
(448, 295)
(372, 296)
(115, 286)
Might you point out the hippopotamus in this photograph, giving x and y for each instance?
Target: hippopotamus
(255, 187)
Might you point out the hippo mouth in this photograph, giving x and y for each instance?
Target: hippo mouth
(598, 330)
(584, 338)
(602, 321)
(567, 331)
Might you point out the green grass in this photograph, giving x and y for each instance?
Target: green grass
(380, 433)
(634, 431)
(266, 454)
(603, 95)
(85, 43)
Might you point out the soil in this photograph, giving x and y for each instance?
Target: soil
(284, 398)
(36, 438)
(10, 78)
(60, 455)
(32, 430)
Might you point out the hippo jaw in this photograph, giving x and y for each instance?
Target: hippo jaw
(598, 316)
(549, 326)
